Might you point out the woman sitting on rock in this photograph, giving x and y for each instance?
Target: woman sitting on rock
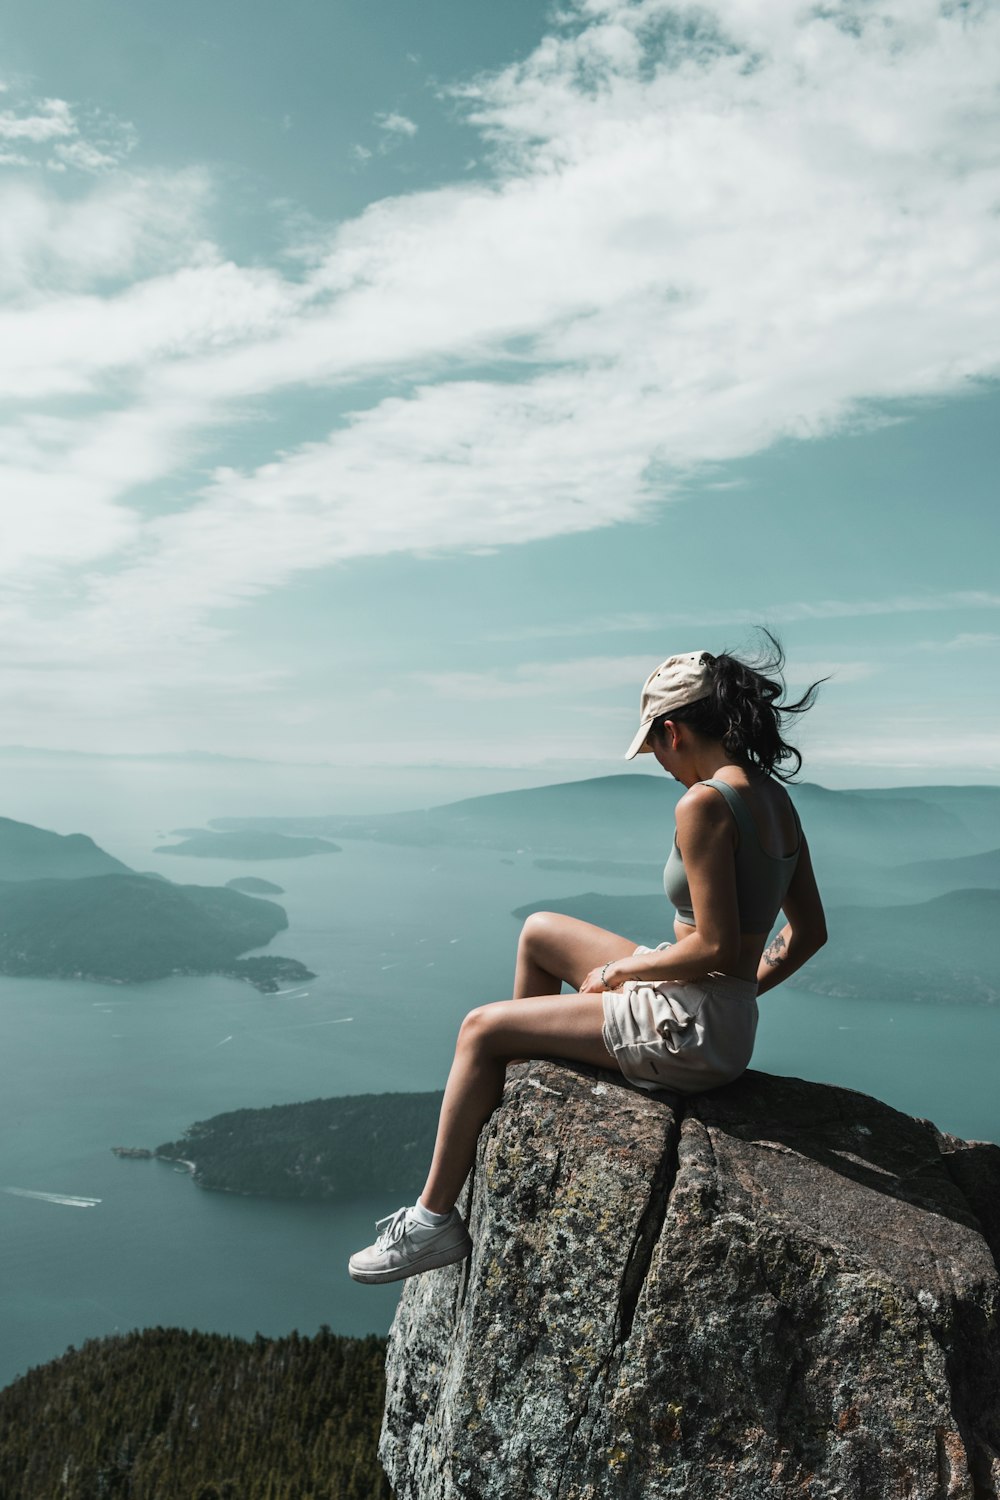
(682, 1016)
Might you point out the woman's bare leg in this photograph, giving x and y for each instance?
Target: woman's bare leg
(554, 948)
(491, 1036)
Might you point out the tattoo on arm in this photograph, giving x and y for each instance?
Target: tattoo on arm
(775, 954)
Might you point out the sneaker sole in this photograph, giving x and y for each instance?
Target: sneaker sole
(430, 1262)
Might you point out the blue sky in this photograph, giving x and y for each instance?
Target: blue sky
(395, 385)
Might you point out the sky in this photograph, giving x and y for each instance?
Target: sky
(394, 386)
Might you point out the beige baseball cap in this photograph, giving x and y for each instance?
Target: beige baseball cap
(675, 682)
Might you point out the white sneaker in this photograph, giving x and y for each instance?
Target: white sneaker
(407, 1246)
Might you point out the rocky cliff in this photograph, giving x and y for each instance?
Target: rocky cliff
(778, 1289)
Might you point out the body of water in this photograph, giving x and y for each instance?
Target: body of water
(403, 941)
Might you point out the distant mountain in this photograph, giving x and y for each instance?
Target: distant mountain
(201, 1416)
(977, 808)
(125, 927)
(612, 816)
(29, 853)
(248, 844)
(939, 951)
(844, 827)
(630, 818)
(942, 951)
(648, 872)
(937, 876)
(325, 1148)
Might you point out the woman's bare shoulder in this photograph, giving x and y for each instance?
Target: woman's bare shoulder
(702, 806)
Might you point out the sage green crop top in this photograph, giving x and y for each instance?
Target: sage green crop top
(762, 879)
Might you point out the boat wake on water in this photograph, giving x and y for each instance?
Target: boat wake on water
(67, 1200)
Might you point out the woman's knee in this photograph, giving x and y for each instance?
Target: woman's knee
(482, 1028)
(537, 931)
(477, 1026)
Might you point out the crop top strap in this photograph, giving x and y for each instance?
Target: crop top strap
(744, 817)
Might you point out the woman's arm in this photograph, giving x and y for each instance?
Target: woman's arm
(803, 934)
(706, 836)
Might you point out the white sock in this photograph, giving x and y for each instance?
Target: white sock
(426, 1216)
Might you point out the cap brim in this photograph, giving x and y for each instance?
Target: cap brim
(638, 745)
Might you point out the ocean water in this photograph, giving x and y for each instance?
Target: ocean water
(403, 941)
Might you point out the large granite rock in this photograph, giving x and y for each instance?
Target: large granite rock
(777, 1289)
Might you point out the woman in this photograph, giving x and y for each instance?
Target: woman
(682, 1016)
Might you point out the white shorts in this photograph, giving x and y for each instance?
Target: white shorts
(686, 1035)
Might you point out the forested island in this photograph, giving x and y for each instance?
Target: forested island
(253, 885)
(166, 1412)
(322, 1149)
(248, 844)
(127, 928)
(69, 910)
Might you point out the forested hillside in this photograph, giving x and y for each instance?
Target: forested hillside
(170, 1415)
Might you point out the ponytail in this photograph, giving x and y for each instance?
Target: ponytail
(745, 712)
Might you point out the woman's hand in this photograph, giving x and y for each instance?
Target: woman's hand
(594, 984)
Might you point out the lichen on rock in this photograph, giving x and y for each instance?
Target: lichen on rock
(776, 1289)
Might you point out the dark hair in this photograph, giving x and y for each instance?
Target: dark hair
(744, 710)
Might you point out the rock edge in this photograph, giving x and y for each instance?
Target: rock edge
(777, 1289)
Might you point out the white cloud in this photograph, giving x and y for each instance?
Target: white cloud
(69, 343)
(706, 229)
(682, 259)
(909, 747)
(566, 680)
(791, 612)
(52, 118)
(805, 670)
(61, 141)
(82, 155)
(967, 640)
(121, 229)
(394, 124)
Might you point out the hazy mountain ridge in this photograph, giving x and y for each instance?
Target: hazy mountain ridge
(939, 951)
(630, 817)
(549, 819)
(964, 872)
(977, 807)
(30, 853)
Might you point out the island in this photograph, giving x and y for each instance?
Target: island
(134, 1153)
(127, 928)
(323, 1149)
(248, 844)
(253, 885)
(266, 972)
